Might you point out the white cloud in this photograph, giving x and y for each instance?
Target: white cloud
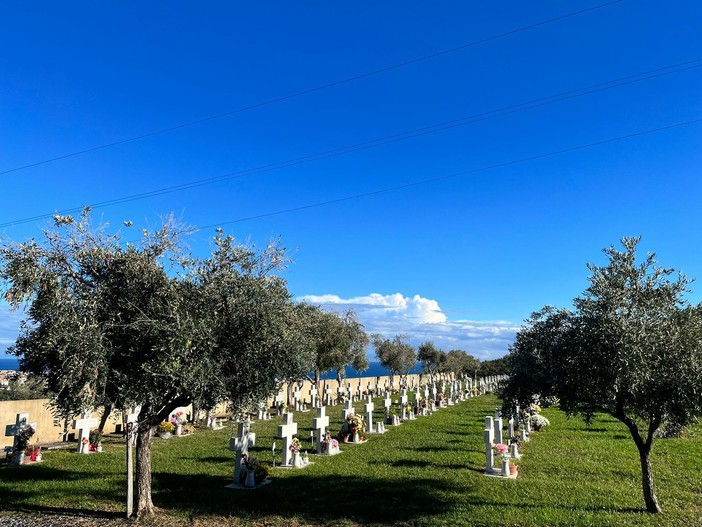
(423, 320)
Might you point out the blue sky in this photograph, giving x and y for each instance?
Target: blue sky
(462, 259)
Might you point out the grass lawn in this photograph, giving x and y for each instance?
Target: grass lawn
(424, 472)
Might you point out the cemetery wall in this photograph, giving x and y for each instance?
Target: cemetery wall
(416, 378)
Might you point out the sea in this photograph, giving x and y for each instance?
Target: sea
(375, 369)
(8, 363)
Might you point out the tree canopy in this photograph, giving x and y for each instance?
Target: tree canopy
(431, 357)
(632, 348)
(127, 324)
(396, 354)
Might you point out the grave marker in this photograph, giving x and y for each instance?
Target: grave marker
(286, 431)
(320, 423)
(83, 425)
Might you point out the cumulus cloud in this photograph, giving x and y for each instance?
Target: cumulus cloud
(423, 320)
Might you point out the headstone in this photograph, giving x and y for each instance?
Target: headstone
(328, 394)
(240, 444)
(319, 424)
(297, 396)
(286, 431)
(348, 410)
(403, 404)
(83, 425)
(369, 407)
(514, 451)
(510, 428)
(313, 396)
(489, 452)
(21, 420)
(387, 403)
(498, 430)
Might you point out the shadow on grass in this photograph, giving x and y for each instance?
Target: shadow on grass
(315, 499)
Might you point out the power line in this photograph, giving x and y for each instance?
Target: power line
(448, 176)
(499, 112)
(312, 90)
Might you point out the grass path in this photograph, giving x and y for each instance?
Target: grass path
(425, 472)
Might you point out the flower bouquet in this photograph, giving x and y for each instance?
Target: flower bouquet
(329, 445)
(95, 440)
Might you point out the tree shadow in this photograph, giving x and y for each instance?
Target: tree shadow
(316, 499)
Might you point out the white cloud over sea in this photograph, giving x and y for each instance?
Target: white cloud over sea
(422, 319)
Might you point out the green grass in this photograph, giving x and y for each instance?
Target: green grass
(425, 472)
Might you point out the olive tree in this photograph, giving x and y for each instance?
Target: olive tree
(396, 354)
(143, 324)
(632, 348)
(431, 357)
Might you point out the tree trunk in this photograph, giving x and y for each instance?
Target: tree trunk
(145, 439)
(650, 498)
(105, 415)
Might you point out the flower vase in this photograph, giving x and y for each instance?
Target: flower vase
(505, 467)
(355, 438)
(98, 448)
(178, 429)
(297, 460)
(165, 435)
(19, 458)
(250, 479)
(38, 458)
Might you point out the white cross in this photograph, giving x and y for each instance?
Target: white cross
(320, 423)
(348, 410)
(21, 421)
(387, 403)
(369, 407)
(245, 439)
(313, 396)
(83, 425)
(286, 431)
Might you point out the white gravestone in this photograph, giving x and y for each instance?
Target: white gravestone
(245, 439)
(313, 396)
(83, 425)
(369, 407)
(21, 421)
(328, 393)
(489, 452)
(403, 404)
(387, 403)
(297, 395)
(510, 428)
(498, 430)
(286, 431)
(348, 410)
(320, 424)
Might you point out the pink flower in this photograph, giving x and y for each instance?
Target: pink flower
(501, 448)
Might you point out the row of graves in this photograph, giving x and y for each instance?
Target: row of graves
(502, 451)
(88, 437)
(421, 400)
(302, 402)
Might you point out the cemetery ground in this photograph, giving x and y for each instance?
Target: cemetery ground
(425, 472)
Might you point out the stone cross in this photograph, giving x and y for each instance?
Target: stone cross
(340, 392)
(417, 397)
(489, 452)
(21, 421)
(403, 403)
(240, 444)
(369, 407)
(297, 396)
(498, 430)
(313, 396)
(320, 423)
(286, 431)
(359, 392)
(328, 393)
(83, 425)
(387, 403)
(510, 428)
(348, 410)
